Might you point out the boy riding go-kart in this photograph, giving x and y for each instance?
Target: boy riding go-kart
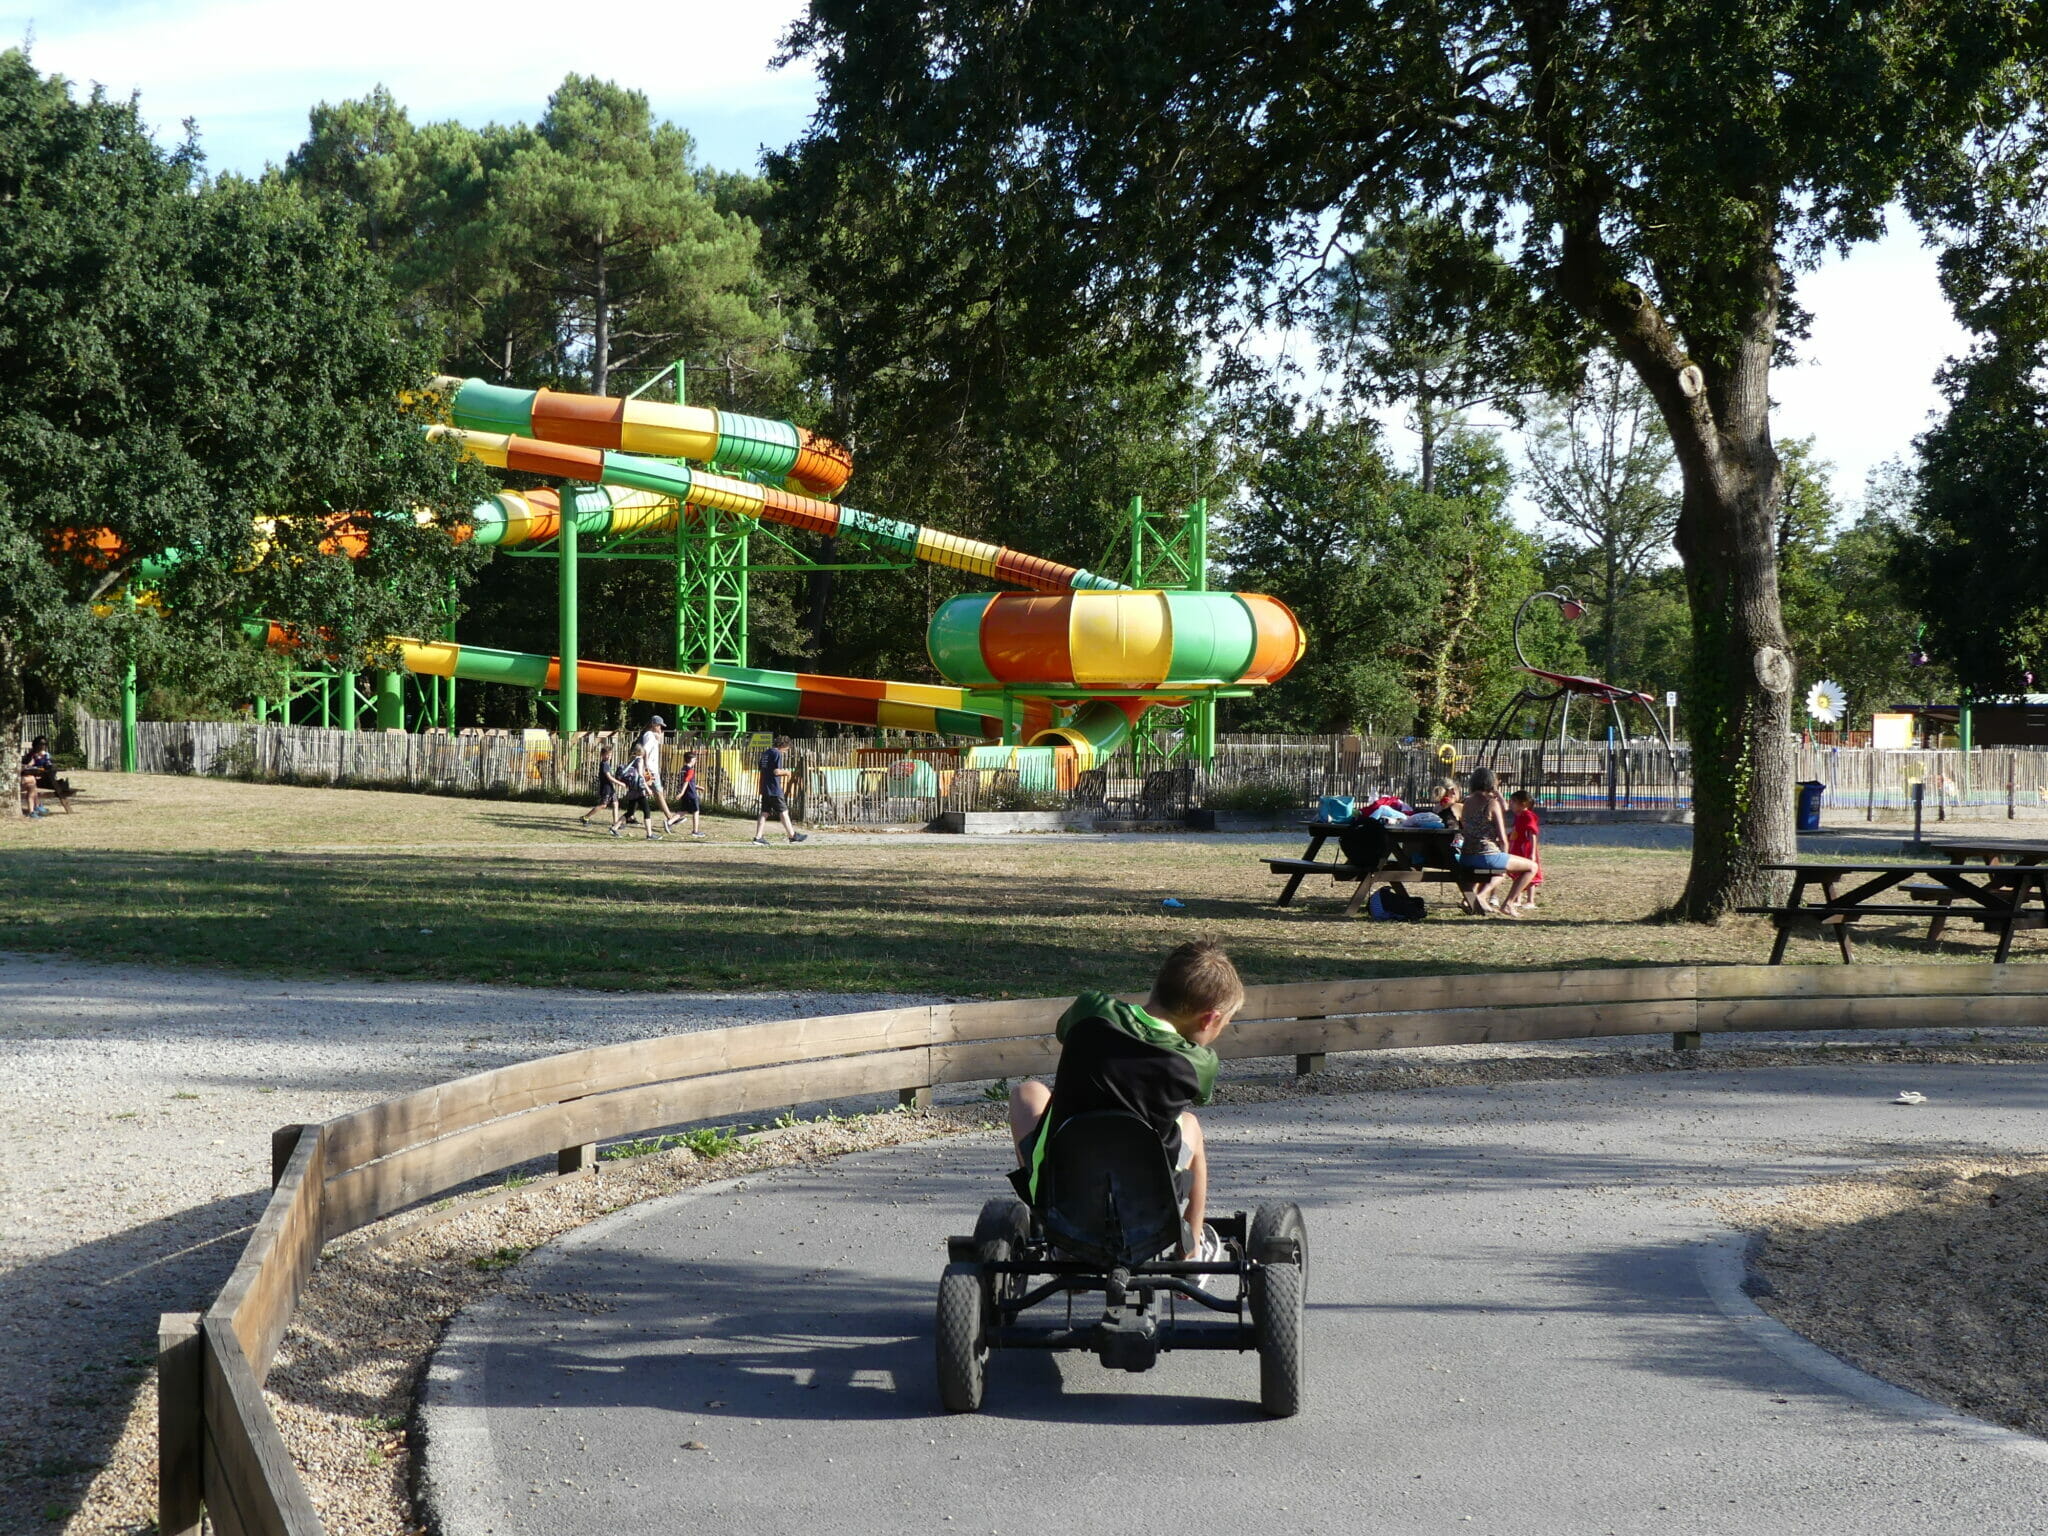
(1114, 1173)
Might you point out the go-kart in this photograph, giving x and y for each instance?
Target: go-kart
(1108, 1220)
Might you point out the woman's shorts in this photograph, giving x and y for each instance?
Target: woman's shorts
(1488, 863)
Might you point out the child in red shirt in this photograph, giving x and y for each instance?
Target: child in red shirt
(1523, 837)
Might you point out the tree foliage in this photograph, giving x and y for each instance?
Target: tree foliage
(1656, 174)
(1405, 594)
(210, 368)
(1600, 470)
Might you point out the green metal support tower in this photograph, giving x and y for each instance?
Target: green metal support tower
(712, 560)
(1170, 552)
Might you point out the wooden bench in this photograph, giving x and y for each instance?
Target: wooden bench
(1995, 896)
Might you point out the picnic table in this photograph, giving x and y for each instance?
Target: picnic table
(1996, 896)
(1397, 869)
(1980, 850)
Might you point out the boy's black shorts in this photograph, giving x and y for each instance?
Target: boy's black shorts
(607, 796)
(689, 804)
(773, 805)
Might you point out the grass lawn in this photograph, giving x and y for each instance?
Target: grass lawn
(354, 882)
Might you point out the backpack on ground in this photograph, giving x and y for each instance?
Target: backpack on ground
(1391, 904)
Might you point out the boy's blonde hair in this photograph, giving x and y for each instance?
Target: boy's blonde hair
(1197, 978)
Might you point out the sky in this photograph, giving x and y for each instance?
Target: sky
(248, 70)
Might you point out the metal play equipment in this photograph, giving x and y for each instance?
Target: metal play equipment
(1554, 691)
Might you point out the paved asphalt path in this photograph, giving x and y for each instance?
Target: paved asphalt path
(1523, 1319)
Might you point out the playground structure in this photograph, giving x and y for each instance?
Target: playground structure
(1555, 692)
(1051, 680)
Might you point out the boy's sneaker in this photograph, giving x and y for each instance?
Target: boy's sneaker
(614, 831)
(760, 842)
(700, 836)
(1211, 1249)
(800, 837)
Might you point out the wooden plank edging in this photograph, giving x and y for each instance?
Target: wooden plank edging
(359, 1167)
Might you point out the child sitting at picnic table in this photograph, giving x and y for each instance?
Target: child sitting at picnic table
(1524, 834)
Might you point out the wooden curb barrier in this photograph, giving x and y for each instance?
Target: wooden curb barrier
(219, 1444)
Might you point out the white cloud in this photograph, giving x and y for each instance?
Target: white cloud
(248, 70)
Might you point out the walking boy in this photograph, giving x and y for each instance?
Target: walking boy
(686, 796)
(608, 788)
(1154, 1062)
(772, 801)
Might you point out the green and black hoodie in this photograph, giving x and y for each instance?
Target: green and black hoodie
(1116, 1056)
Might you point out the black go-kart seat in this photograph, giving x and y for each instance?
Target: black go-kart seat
(1106, 1191)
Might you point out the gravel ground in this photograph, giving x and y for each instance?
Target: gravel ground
(1928, 1275)
(137, 1118)
(139, 1109)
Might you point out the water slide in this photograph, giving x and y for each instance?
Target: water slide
(1070, 638)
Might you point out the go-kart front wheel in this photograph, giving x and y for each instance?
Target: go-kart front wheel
(1276, 1315)
(962, 1338)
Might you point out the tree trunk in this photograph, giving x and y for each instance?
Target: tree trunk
(1610, 599)
(1718, 412)
(1741, 705)
(13, 705)
(601, 329)
(818, 595)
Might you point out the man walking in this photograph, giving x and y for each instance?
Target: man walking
(650, 773)
(772, 801)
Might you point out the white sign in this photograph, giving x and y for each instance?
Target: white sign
(1671, 701)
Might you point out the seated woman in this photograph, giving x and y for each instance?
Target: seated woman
(38, 778)
(1485, 850)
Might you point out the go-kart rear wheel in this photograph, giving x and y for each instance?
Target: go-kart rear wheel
(1002, 1233)
(1004, 1219)
(1278, 1235)
(962, 1338)
(1277, 1317)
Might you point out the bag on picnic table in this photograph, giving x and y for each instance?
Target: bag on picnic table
(1365, 844)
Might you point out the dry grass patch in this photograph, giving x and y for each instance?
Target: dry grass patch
(356, 882)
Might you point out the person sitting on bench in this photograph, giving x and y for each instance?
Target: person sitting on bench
(39, 778)
(1154, 1062)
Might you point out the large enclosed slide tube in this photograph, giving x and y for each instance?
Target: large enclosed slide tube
(778, 448)
(700, 488)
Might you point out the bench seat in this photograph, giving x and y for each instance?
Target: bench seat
(1888, 909)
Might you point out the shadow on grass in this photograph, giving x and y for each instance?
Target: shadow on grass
(787, 918)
